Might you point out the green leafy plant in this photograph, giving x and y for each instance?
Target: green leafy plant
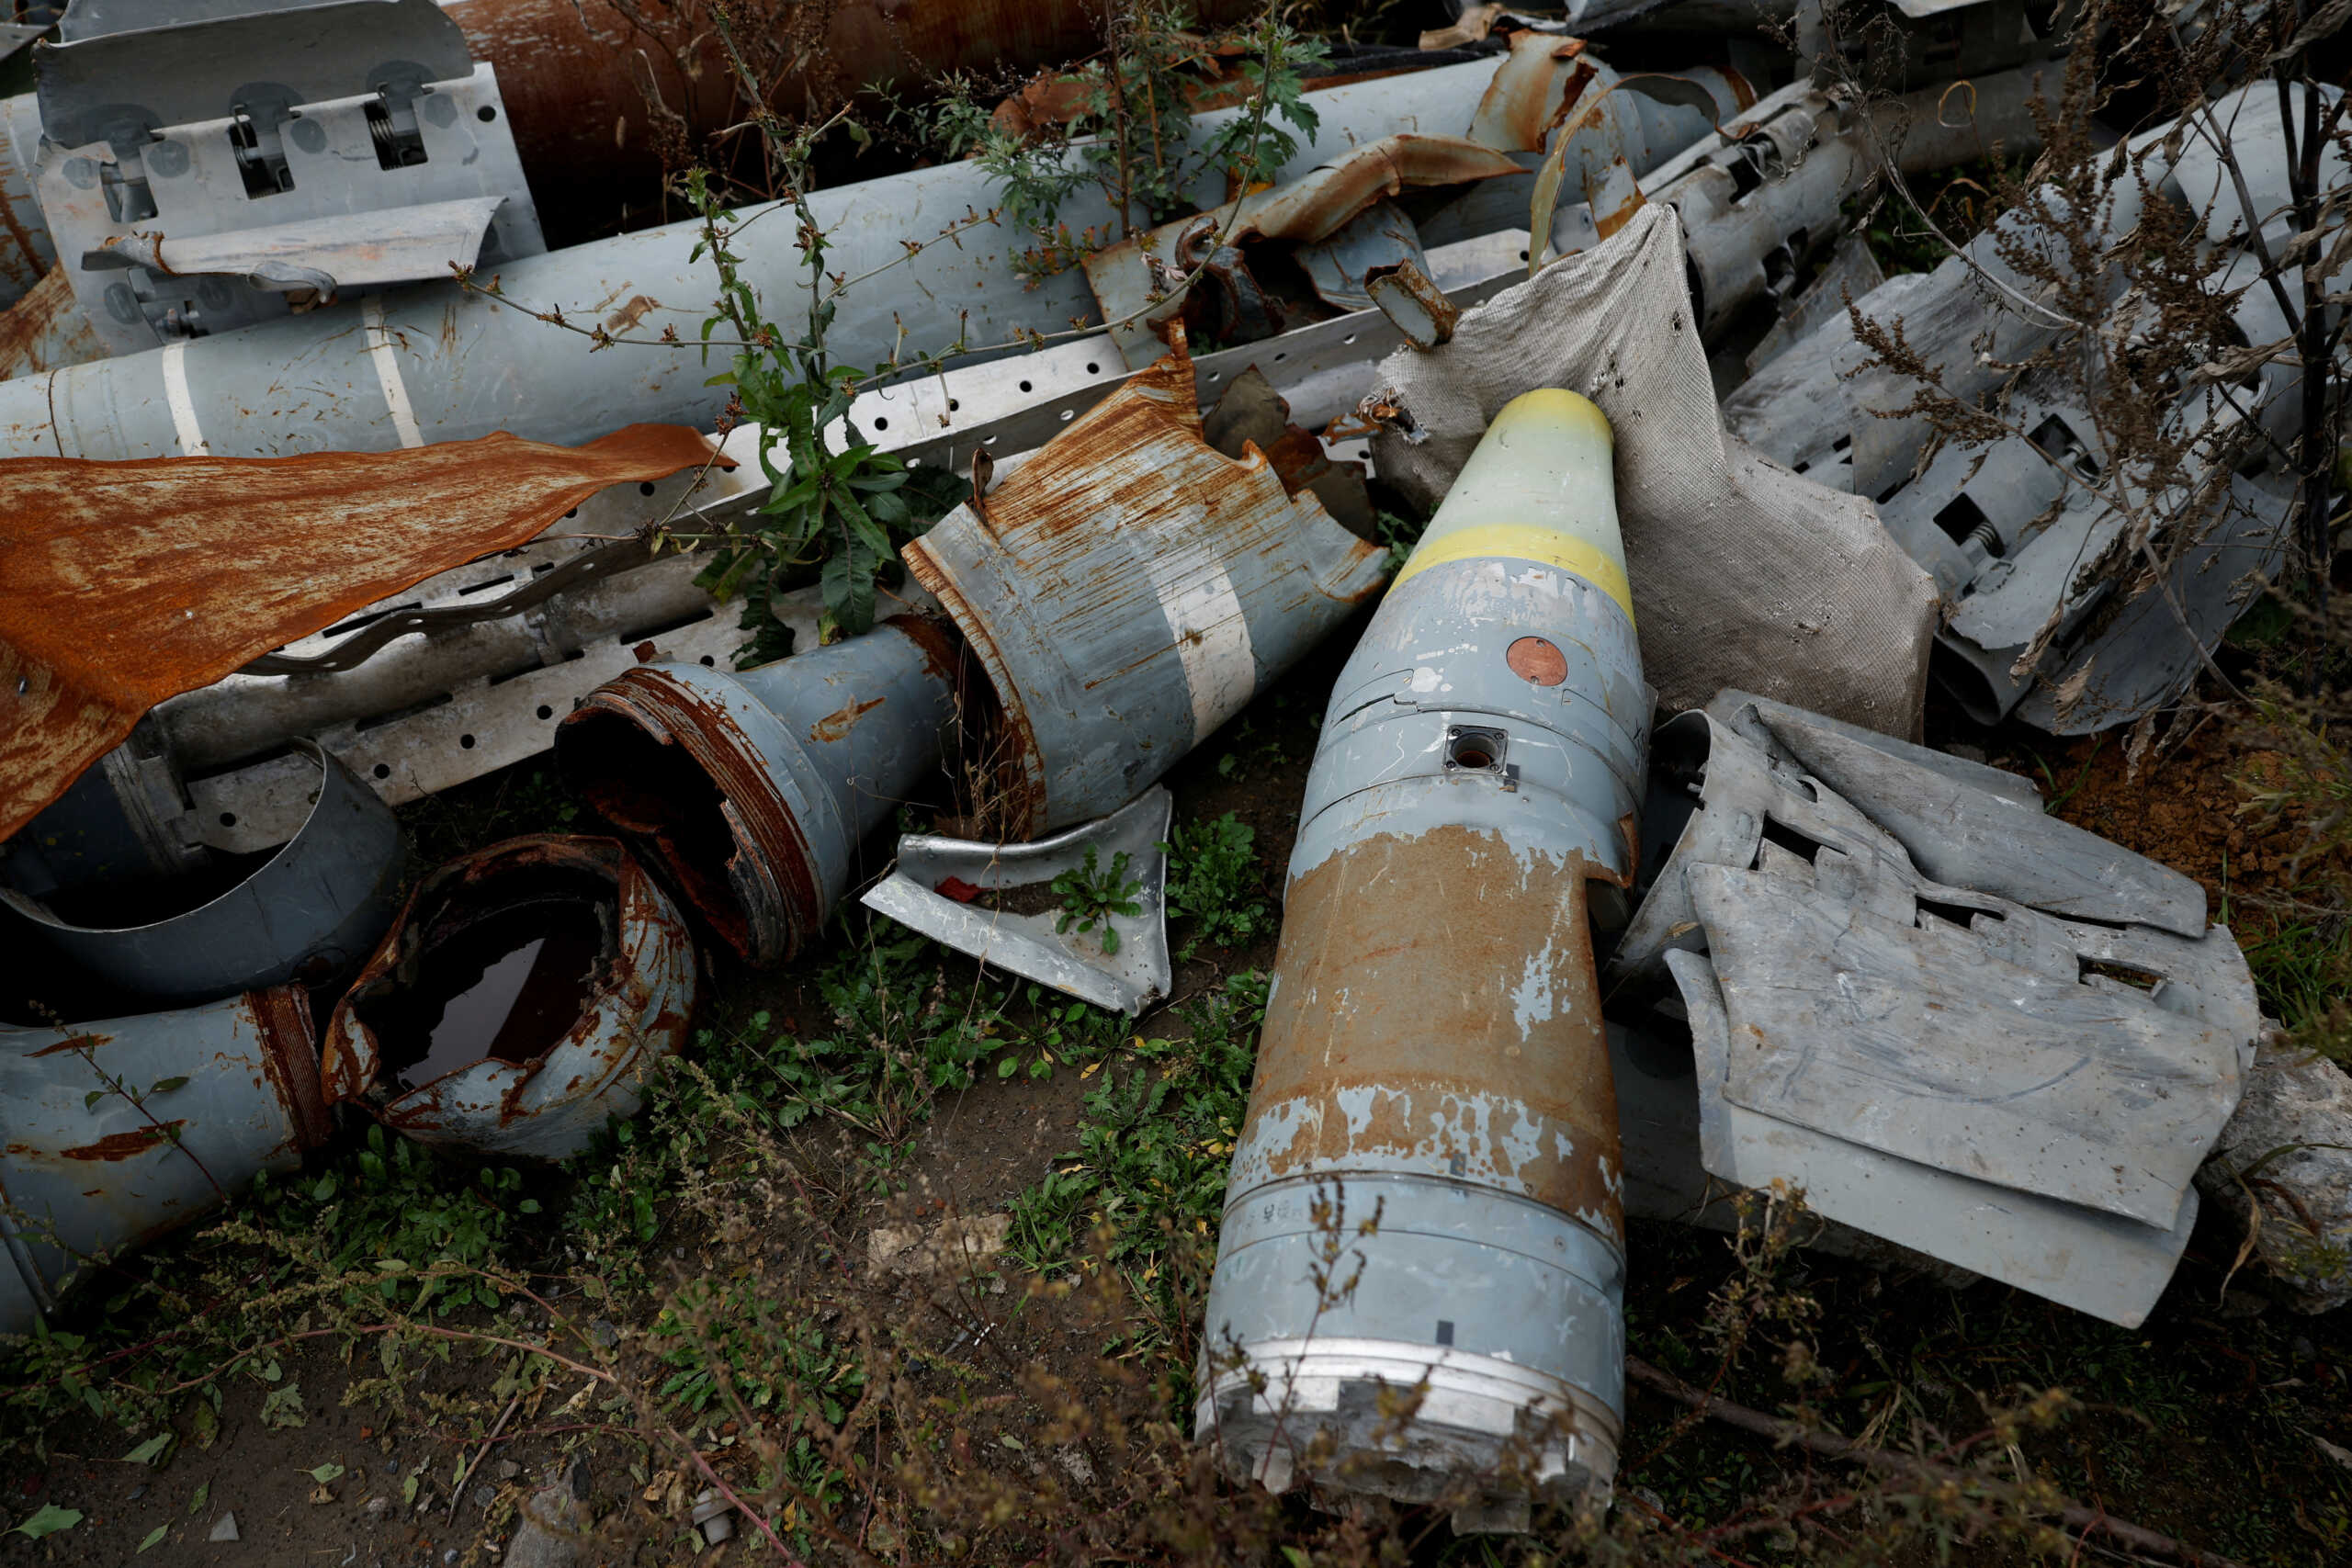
(1090, 896)
(1128, 129)
(1212, 871)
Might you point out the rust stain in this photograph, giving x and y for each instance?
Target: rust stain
(72, 1043)
(1609, 223)
(1420, 977)
(630, 314)
(290, 1059)
(125, 1146)
(1742, 94)
(842, 720)
(23, 265)
(125, 584)
(45, 330)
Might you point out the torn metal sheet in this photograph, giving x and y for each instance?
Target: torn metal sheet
(1137, 282)
(1252, 413)
(324, 254)
(2083, 1063)
(1128, 590)
(1340, 265)
(754, 791)
(307, 914)
(309, 539)
(939, 883)
(229, 1090)
(520, 1003)
(1434, 1045)
(1808, 597)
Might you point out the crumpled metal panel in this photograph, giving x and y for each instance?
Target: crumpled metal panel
(1128, 589)
(308, 913)
(754, 791)
(553, 1105)
(86, 1178)
(2085, 1064)
(126, 584)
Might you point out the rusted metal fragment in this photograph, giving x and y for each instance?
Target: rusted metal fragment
(1535, 87)
(46, 330)
(1438, 1012)
(125, 584)
(540, 1083)
(1252, 413)
(88, 1174)
(1128, 591)
(1417, 306)
(1131, 278)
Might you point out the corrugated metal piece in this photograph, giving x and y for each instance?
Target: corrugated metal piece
(308, 914)
(1129, 588)
(1434, 1051)
(754, 791)
(125, 584)
(85, 1180)
(589, 1061)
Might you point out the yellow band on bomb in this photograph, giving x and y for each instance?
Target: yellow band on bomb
(1523, 541)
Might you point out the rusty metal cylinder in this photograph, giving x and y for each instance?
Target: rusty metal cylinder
(122, 1131)
(752, 791)
(1432, 1057)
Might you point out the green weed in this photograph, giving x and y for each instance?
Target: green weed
(1150, 1169)
(1090, 896)
(1212, 873)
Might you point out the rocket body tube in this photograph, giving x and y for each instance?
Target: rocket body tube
(1432, 1052)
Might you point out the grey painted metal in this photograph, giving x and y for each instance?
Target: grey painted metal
(1028, 945)
(85, 1179)
(551, 1107)
(309, 912)
(1480, 760)
(1967, 825)
(1902, 1031)
(2094, 1262)
(311, 149)
(1127, 607)
(124, 820)
(754, 791)
(438, 364)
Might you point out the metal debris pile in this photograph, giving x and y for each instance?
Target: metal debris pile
(303, 528)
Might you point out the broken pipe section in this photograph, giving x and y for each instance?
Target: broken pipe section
(519, 1002)
(752, 791)
(222, 1092)
(1433, 1056)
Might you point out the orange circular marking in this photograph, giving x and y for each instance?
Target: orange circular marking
(1533, 658)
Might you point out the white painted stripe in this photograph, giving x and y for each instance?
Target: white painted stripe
(181, 401)
(1212, 638)
(388, 371)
